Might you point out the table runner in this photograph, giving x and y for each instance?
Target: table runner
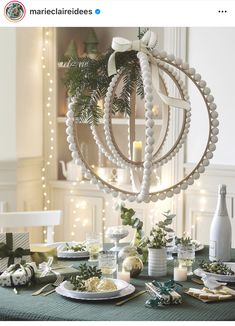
(55, 307)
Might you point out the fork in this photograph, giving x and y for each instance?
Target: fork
(58, 281)
(48, 285)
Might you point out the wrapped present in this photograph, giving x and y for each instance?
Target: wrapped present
(14, 247)
(41, 253)
(163, 293)
(48, 271)
(17, 274)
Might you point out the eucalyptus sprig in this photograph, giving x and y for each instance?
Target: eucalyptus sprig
(158, 235)
(185, 240)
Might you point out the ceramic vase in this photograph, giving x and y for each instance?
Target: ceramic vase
(157, 262)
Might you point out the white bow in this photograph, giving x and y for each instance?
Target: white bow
(145, 45)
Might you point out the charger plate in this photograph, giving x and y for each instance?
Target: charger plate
(124, 289)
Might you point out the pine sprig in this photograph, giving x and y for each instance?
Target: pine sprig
(87, 81)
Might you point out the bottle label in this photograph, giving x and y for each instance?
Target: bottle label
(212, 249)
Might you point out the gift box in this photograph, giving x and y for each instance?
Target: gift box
(40, 253)
(48, 271)
(14, 247)
(17, 274)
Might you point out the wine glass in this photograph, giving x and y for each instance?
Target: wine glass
(93, 245)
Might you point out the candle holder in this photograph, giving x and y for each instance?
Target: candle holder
(117, 233)
(180, 272)
(186, 256)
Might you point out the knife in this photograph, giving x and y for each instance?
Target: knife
(131, 297)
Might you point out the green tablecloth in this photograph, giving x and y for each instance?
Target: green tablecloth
(55, 307)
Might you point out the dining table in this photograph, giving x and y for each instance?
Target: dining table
(54, 307)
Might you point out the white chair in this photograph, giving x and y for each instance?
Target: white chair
(47, 219)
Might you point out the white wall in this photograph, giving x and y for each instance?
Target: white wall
(29, 92)
(211, 52)
(7, 94)
(20, 93)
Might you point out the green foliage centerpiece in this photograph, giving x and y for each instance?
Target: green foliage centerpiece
(156, 243)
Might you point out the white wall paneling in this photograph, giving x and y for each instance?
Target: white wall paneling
(201, 201)
(211, 51)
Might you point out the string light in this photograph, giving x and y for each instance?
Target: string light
(49, 89)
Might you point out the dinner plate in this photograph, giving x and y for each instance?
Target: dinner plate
(66, 292)
(218, 277)
(66, 289)
(70, 253)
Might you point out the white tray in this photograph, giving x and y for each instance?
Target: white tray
(218, 277)
(124, 288)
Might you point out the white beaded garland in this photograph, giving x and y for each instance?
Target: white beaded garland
(147, 165)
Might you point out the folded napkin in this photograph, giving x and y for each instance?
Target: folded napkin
(163, 293)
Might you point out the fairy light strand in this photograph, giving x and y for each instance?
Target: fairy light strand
(49, 89)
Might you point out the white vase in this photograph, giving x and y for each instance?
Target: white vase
(157, 262)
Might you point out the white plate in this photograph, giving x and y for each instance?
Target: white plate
(66, 288)
(73, 294)
(218, 277)
(70, 253)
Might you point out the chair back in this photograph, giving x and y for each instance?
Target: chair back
(47, 219)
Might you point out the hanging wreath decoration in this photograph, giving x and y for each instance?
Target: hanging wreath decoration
(151, 65)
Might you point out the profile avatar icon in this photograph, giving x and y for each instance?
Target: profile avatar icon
(14, 11)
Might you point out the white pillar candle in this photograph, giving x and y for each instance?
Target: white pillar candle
(137, 151)
(125, 276)
(180, 274)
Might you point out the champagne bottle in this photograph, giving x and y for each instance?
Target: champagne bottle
(220, 230)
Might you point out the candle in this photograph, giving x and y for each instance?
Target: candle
(125, 276)
(137, 151)
(155, 110)
(180, 274)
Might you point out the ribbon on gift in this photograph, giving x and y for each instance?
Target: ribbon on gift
(163, 288)
(6, 250)
(47, 267)
(145, 45)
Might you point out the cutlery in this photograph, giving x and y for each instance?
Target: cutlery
(47, 286)
(58, 281)
(131, 297)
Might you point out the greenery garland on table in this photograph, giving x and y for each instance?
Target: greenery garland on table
(87, 81)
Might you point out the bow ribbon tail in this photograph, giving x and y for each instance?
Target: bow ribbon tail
(170, 101)
(112, 64)
(9, 243)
